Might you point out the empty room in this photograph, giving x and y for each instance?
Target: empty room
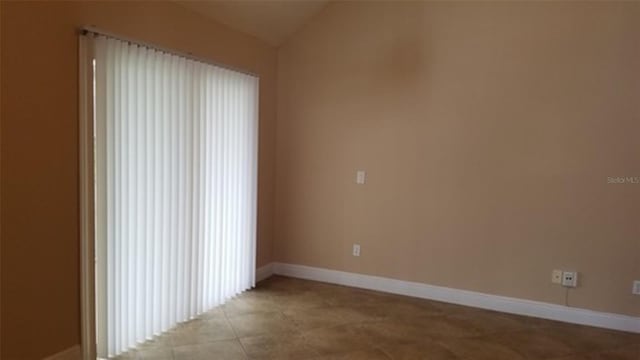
(313, 179)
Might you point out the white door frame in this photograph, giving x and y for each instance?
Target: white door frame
(87, 203)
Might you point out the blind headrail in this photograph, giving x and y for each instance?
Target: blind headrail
(90, 30)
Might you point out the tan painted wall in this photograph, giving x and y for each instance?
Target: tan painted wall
(40, 246)
(488, 131)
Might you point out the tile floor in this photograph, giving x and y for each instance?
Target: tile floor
(286, 318)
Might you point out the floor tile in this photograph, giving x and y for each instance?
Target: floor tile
(251, 303)
(261, 323)
(392, 332)
(404, 310)
(584, 339)
(341, 296)
(533, 344)
(629, 352)
(445, 327)
(277, 346)
(213, 314)
(158, 341)
(481, 348)
(300, 300)
(201, 331)
(313, 318)
(129, 355)
(219, 350)
(372, 354)
(488, 322)
(578, 357)
(422, 350)
(159, 353)
(337, 339)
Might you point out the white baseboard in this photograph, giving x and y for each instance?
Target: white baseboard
(456, 296)
(72, 353)
(264, 272)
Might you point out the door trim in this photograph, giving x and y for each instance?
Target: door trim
(87, 208)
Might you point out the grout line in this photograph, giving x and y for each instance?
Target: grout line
(237, 338)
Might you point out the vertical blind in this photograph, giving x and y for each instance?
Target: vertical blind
(176, 176)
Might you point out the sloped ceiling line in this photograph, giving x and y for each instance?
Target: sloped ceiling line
(273, 21)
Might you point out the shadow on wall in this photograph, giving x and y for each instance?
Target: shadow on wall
(403, 61)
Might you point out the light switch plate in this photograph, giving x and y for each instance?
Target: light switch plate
(556, 277)
(636, 287)
(361, 177)
(356, 249)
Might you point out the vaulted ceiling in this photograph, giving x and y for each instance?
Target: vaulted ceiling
(270, 20)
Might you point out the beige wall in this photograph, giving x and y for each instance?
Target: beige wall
(487, 130)
(40, 246)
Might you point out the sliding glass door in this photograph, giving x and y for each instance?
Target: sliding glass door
(175, 189)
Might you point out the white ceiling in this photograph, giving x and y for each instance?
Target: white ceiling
(273, 21)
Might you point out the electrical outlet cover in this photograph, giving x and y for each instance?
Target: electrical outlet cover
(636, 287)
(556, 276)
(570, 279)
